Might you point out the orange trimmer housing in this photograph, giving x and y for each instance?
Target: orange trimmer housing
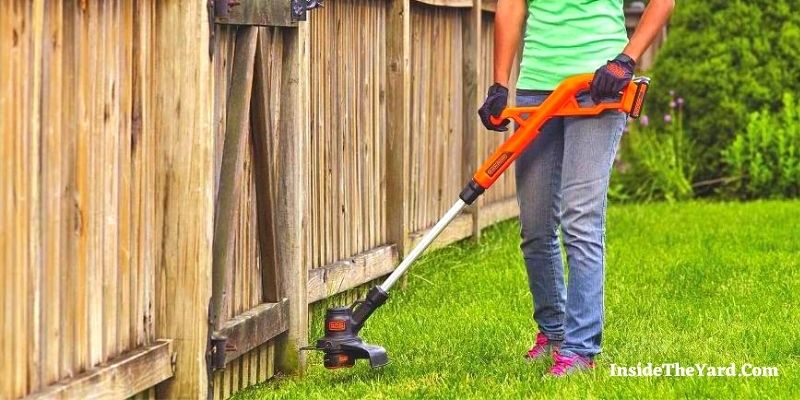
(561, 102)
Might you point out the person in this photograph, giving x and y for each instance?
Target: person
(563, 176)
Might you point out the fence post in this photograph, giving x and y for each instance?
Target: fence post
(398, 128)
(291, 198)
(471, 80)
(182, 111)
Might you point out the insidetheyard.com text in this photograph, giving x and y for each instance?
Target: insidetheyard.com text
(693, 370)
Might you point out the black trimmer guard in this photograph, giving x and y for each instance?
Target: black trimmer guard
(341, 344)
(353, 350)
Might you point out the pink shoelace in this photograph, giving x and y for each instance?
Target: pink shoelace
(564, 364)
(540, 346)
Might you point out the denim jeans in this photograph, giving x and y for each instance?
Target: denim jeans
(562, 181)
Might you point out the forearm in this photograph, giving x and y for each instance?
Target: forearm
(653, 20)
(509, 20)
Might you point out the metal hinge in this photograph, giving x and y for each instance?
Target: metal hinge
(217, 351)
(300, 7)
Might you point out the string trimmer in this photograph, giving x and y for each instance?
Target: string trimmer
(341, 344)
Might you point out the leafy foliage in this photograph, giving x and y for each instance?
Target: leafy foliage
(766, 156)
(655, 164)
(730, 57)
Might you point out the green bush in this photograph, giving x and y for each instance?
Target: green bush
(655, 163)
(764, 159)
(729, 58)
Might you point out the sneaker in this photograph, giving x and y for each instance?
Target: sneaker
(541, 348)
(565, 365)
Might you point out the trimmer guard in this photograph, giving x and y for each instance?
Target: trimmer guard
(375, 354)
(341, 344)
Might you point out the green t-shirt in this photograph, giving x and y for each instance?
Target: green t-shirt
(569, 37)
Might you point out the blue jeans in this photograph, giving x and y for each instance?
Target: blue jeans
(562, 180)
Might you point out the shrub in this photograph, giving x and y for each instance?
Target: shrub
(655, 163)
(730, 57)
(765, 157)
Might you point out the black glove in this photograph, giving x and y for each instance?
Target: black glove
(611, 78)
(496, 101)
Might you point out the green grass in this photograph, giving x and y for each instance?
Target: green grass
(689, 283)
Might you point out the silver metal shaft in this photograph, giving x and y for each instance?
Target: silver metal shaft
(423, 244)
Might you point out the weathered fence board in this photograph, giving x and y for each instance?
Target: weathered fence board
(182, 126)
(348, 128)
(347, 274)
(121, 377)
(398, 122)
(436, 113)
(72, 118)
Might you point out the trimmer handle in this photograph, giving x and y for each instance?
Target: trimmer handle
(630, 102)
(562, 102)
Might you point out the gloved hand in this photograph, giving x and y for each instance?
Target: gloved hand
(611, 78)
(496, 101)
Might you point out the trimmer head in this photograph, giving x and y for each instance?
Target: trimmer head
(341, 344)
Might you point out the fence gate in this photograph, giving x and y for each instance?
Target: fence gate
(257, 269)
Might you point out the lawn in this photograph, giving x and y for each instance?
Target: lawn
(705, 283)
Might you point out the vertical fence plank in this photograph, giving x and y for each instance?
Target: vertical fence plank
(34, 172)
(292, 207)
(143, 170)
(68, 299)
(398, 100)
(81, 319)
(471, 81)
(6, 211)
(125, 59)
(52, 195)
(19, 199)
(92, 37)
(183, 123)
(111, 168)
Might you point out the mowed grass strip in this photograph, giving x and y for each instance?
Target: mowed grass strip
(694, 283)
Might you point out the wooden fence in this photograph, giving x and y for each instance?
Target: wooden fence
(103, 106)
(178, 189)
